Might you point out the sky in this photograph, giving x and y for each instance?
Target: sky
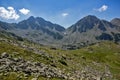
(63, 12)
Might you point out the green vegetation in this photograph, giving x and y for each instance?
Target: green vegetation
(96, 56)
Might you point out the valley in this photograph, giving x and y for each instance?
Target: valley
(36, 49)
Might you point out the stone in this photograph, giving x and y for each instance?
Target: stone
(34, 79)
(4, 55)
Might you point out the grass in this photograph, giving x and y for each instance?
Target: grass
(104, 53)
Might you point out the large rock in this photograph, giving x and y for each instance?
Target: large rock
(4, 55)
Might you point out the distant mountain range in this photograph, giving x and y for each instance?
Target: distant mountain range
(87, 30)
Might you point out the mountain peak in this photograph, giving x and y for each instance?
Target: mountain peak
(90, 16)
(31, 18)
(89, 19)
(86, 23)
(116, 21)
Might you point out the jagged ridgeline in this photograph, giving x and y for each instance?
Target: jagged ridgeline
(36, 29)
(96, 54)
(86, 31)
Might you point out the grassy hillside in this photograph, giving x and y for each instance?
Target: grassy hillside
(98, 61)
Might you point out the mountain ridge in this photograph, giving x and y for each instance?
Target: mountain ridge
(32, 17)
(37, 29)
(89, 29)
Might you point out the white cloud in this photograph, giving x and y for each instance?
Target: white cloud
(65, 14)
(24, 11)
(8, 13)
(102, 8)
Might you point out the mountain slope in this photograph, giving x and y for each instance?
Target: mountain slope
(37, 30)
(89, 30)
(116, 21)
(7, 26)
(26, 61)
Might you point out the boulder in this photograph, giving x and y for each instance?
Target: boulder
(4, 55)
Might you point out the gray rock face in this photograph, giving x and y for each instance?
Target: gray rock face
(91, 29)
(35, 29)
(116, 21)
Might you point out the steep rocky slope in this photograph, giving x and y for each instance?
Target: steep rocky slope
(116, 21)
(36, 29)
(91, 29)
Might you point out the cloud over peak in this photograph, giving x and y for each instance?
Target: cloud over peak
(8, 13)
(24, 11)
(102, 8)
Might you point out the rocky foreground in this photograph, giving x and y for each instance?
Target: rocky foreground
(9, 64)
(36, 69)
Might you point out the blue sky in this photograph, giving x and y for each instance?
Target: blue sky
(63, 12)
